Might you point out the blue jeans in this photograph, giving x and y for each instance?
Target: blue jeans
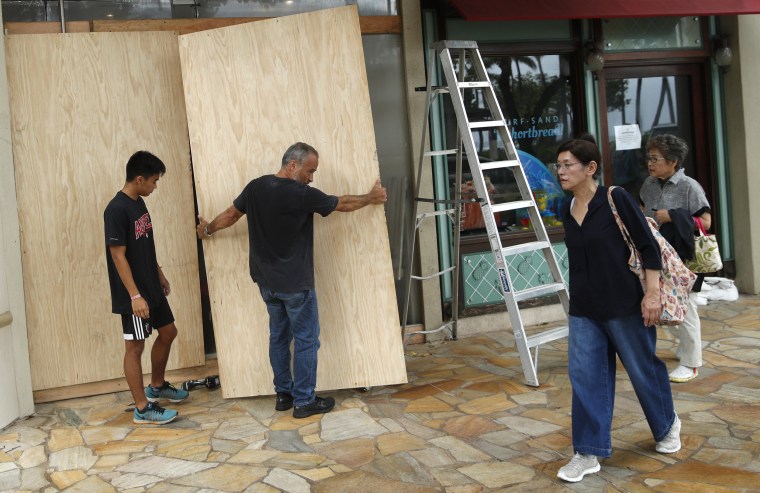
(293, 316)
(592, 346)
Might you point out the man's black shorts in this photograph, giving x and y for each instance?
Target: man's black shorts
(138, 329)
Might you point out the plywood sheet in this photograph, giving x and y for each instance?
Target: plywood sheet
(251, 91)
(81, 104)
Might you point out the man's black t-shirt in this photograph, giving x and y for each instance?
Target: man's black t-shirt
(281, 231)
(127, 223)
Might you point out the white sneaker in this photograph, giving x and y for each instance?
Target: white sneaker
(683, 374)
(579, 466)
(672, 441)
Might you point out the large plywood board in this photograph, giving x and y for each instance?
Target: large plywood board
(251, 91)
(81, 104)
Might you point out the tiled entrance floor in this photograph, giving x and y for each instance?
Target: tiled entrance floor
(464, 423)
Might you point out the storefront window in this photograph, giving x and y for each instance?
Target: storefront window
(535, 97)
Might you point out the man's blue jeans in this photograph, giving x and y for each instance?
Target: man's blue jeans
(592, 346)
(293, 316)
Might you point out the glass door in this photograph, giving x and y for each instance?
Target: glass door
(659, 99)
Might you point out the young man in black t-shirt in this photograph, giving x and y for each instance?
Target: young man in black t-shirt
(280, 209)
(139, 289)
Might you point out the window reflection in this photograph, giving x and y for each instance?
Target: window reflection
(536, 100)
(658, 105)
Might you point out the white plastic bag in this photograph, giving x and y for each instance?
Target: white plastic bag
(720, 289)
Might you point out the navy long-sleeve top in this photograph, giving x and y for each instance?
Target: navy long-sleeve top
(601, 284)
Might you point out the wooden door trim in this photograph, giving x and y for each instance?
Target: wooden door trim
(370, 24)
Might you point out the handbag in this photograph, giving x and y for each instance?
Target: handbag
(706, 254)
(676, 280)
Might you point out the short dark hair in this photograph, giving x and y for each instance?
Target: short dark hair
(145, 164)
(672, 148)
(298, 152)
(585, 149)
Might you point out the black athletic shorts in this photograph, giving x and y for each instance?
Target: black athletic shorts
(138, 329)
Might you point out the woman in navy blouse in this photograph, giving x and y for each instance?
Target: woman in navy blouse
(610, 314)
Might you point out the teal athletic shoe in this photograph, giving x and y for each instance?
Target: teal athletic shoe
(153, 414)
(166, 391)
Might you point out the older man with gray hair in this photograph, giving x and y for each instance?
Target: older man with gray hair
(280, 209)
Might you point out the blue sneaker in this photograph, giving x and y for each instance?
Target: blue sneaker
(166, 391)
(153, 414)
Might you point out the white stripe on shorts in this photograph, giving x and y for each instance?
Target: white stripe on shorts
(137, 324)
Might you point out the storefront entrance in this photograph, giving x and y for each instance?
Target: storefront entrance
(659, 99)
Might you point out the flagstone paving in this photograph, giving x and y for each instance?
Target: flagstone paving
(465, 423)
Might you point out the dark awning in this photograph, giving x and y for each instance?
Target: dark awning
(503, 10)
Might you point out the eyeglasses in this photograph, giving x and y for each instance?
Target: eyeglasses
(654, 159)
(564, 166)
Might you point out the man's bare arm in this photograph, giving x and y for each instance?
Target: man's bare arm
(350, 203)
(222, 221)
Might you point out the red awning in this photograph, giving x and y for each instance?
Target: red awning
(504, 10)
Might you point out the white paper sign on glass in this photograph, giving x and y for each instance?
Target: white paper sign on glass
(627, 137)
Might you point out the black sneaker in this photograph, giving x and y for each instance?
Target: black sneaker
(320, 405)
(283, 402)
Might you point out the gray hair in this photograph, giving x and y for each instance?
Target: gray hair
(298, 152)
(672, 148)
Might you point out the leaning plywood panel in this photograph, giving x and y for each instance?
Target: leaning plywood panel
(81, 104)
(251, 91)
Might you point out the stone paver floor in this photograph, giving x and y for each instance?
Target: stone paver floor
(464, 423)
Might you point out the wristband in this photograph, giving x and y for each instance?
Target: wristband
(205, 231)
(135, 297)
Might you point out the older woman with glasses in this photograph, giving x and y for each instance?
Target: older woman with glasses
(610, 314)
(674, 200)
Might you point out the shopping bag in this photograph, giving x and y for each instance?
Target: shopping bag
(676, 280)
(706, 255)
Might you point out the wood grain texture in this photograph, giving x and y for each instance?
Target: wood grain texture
(46, 27)
(251, 91)
(81, 104)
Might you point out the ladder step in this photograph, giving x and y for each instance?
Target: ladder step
(539, 291)
(488, 124)
(447, 152)
(447, 325)
(435, 274)
(499, 164)
(510, 206)
(531, 246)
(548, 336)
(423, 215)
(473, 85)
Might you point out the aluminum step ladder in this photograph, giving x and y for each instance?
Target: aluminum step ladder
(471, 75)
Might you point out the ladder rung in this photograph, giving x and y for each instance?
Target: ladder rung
(539, 291)
(471, 200)
(510, 206)
(488, 124)
(531, 246)
(423, 215)
(435, 274)
(447, 152)
(472, 85)
(499, 164)
(548, 336)
(447, 325)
